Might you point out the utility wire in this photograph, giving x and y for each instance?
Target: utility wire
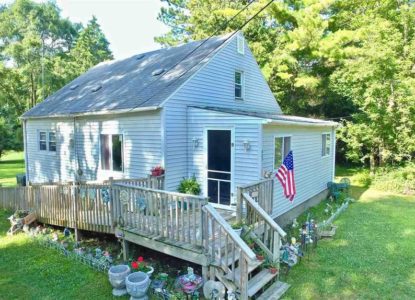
(216, 31)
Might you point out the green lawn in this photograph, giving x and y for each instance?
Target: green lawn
(11, 163)
(370, 257)
(30, 271)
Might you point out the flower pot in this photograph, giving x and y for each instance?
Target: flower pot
(137, 285)
(273, 270)
(149, 273)
(238, 231)
(260, 257)
(117, 275)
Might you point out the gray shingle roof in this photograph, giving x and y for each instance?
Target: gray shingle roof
(271, 116)
(129, 83)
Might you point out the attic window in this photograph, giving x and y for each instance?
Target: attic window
(96, 88)
(73, 87)
(157, 72)
(139, 56)
(240, 42)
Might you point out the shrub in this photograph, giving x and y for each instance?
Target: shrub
(189, 186)
(363, 178)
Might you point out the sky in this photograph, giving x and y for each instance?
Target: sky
(129, 25)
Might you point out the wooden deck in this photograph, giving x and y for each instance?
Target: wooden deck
(180, 225)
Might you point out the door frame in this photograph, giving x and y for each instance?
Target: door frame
(205, 161)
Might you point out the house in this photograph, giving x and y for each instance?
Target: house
(202, 109)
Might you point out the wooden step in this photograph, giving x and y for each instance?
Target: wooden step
(275, 291)
(252, 266)
(259, 281)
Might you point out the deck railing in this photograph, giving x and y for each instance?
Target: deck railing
(226, 249)
(173, 216)
(88, 206)
(254, 207)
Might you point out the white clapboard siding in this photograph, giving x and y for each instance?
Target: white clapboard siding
(142, 146)
(213, 85)
(312, 171)
(247, 166)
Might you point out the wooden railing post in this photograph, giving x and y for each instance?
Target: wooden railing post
(244, 277)
(276, 247)
(239, 204)
(75, 207)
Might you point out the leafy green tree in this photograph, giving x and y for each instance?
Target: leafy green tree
(326, 58)
(40, 52)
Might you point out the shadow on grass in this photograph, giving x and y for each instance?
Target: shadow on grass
(371, 256)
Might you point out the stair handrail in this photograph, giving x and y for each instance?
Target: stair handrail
(267, 218)
(235, 237)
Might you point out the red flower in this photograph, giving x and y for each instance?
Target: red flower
(140, 259)
(134, 265)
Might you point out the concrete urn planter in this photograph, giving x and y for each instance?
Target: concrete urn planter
(137, 285)
(117, 276)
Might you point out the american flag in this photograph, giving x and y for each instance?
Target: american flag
(285, 175)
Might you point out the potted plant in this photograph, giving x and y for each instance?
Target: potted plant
(237, 227)
(157, 171)
(249, 241)
(117, 276)
(272, 267)
(140, 265)
(189, 186)
(260, 255)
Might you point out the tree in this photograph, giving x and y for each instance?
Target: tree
(40, 52)
(91, 48)
(326, 58)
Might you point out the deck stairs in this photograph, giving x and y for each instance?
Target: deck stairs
(261, 283)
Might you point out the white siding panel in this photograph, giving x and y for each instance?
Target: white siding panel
(247, 164)
(142, 146)
(44, 166)
(213, 85)
(311, 170)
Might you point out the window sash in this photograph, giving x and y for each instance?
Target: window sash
(239, 85)
(325, 144)
(112, 157)
(52, 141)
(282, 146)
(42, 141)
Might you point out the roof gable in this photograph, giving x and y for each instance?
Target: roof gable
(131, 83)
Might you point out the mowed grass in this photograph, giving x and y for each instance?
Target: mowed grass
(30, 271)
(11, 163)
(372, 255)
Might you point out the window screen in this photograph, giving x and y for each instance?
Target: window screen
(52, 141)
(238, 85)
(42, 140)
(282, 146)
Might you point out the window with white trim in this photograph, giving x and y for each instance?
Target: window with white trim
(240, 44)
(239, 85)
(325, 144)
(47, 141)
(282, 146)
(112, 152)
(52, 141)
(43, 146)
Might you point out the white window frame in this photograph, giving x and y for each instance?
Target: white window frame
(242, 84)
(240, 44)
(282, 136)
(324, 146)
(47, 140)
(111, 169)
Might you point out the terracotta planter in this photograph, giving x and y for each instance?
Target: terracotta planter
(273, 270)
(259, 257)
